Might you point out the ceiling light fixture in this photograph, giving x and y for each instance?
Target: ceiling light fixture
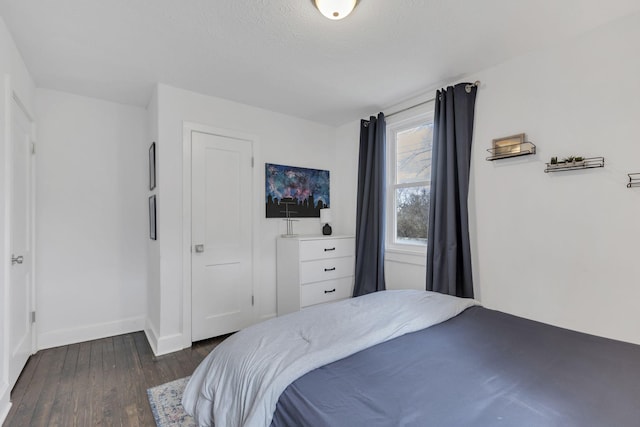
(336, 9)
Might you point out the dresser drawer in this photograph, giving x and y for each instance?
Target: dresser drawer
(326, 269)
(326, 248)
(313, 270)
(331, 290)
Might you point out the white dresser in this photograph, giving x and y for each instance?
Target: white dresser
(314, 270)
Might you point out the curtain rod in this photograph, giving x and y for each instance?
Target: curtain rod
(467, 88)
(411, 107)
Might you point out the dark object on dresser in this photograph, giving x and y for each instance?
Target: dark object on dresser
(326, 230)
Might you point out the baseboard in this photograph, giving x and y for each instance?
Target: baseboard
(68, 336)
(5, 403)
(163, 345)
(267, 316)
(169, 344)
(152, 337)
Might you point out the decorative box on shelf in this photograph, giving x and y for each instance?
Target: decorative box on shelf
(511, 146)
(313, 270)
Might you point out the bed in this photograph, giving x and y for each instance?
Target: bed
(470, 366)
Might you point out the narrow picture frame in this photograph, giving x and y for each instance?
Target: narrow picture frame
(152, 166)
(153, 235)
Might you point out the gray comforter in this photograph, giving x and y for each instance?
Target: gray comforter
(482, 368)
(239, 383)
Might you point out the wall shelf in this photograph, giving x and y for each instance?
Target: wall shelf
(511, 150)
(588, 163)
(634, 180)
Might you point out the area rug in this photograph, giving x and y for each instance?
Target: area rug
(166, 407)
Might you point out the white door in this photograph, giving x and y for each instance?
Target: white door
(20, 328)
(221, 234)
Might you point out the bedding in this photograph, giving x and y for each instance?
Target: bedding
(240, 382)
(414, 358)
(482, 368)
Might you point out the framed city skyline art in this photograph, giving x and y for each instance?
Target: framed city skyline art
(295, 192)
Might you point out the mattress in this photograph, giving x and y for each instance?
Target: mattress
(238, 384)
(480, 368)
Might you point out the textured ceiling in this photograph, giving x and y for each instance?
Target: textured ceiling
(283, 55)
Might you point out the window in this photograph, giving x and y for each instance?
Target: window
(408, 183)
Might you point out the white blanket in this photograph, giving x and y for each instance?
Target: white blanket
(240, 382)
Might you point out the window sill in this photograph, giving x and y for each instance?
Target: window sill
(415, 256)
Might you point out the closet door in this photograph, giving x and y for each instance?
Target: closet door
(221, 257)
(20, 282)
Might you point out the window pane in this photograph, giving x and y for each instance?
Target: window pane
(413, 154)
(412, 214)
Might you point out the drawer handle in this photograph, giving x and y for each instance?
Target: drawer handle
(328, 292)
(329, 249)
(330, 269)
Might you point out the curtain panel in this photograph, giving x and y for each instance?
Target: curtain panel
(370, 216)
(448, 247)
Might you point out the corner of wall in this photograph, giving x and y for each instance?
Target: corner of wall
(153, 308)
(152, 337)
(169, 344)
(161, 345)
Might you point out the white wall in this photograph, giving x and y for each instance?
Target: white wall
(346, 173)
(280, 139)
(91, 218)
(15, 80)
(560, 248)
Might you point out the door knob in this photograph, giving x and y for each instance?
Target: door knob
(16, 259)
(199, 248)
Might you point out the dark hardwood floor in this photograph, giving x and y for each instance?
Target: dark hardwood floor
(97, 383)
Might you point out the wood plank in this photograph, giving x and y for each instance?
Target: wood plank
(150, 374)
(110, 394)
(21, 386)
(145, 416)
(127, 378)
(79, 412)
(96, 383)
(52, 376)
(185, 365)
(64, 389)
(23, 392)
(165, 366)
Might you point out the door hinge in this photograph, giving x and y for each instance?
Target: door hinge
(252, 300)
(33, 148)
(33, 317)
(252, 162)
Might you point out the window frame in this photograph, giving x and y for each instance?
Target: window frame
(400, 123)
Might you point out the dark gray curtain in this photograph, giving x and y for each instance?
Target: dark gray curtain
(370, 212)
(448, 248)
